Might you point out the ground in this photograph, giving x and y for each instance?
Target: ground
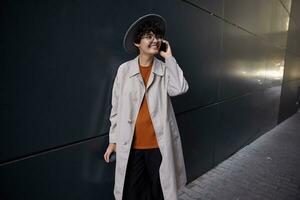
(266, 169)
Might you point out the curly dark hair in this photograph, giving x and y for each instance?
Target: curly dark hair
(146, 28)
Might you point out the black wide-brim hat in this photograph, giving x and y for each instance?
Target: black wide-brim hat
(130, 33)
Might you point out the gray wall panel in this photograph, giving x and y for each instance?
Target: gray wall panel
(243, 57)
(287, 4)
(255, 15)
(213, 6)
(267, 19)
(275, 62)
(278, 25)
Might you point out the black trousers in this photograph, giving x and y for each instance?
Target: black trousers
(142, 180)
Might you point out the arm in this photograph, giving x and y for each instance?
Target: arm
(176, 83)
(114, 110)
(113, 120)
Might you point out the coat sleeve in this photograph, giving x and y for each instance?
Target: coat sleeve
(176, 83)
(114, 110)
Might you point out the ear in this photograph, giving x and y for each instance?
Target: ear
(137, 45)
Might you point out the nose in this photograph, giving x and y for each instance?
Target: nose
(155, 40)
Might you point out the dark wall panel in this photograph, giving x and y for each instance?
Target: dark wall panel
(235, 126)
(74, 172)
(244, 118)
(293, 43)
(292, 68)
(288, 100)
(198, 129)
(197, 47)
(59, 60)
(290, 96)
(295, 15)
(266, 112)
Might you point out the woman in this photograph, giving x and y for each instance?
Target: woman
(144, 132)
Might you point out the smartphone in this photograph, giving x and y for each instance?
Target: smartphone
(112, 157)
(163, 46)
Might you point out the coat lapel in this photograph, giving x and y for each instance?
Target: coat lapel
(134, 71)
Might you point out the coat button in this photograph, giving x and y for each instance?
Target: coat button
(125, 143)
(129, 120)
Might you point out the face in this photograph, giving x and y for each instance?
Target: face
(149, 44)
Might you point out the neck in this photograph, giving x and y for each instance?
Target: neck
(145, 60)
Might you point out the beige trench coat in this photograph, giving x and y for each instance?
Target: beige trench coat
(166, 80)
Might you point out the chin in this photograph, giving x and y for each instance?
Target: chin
(154, 52)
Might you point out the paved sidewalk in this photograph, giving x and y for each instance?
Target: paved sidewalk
(266, 169)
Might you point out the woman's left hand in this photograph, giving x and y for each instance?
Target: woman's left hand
(168, 52)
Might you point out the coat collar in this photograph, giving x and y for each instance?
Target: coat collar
(157, 68)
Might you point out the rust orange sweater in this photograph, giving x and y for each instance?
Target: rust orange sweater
(144, 134)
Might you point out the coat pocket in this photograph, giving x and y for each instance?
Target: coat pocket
(126, 132)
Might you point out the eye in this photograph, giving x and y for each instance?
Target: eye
(149, 36)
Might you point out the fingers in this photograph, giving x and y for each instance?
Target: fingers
(111, 148)
(166, 41)
(107, 155)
